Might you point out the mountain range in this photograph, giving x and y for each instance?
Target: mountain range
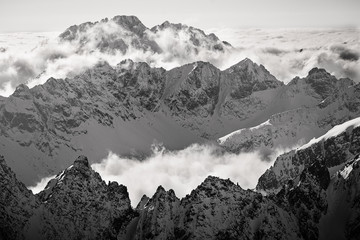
(313, 201)
(125, 109)
(310, 192)
(124, 34)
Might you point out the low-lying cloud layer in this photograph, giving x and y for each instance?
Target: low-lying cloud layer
(32, 58)
(287, 53)
(182, 170)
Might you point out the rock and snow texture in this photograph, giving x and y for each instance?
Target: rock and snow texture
(334, 148)
(128, 33)
(313, 193)
(78, 204)
(335, 131)
(127, 107)
(319, 103)
(124, 108)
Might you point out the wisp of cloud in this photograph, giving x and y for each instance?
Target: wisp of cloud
(285, 53)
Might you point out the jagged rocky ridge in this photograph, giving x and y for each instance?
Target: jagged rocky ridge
(334, 149)
(340, 102)
(125, 34)
(76, 204)
(319, 203)
(126, 108)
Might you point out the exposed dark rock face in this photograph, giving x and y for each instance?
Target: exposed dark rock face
(308, 199)
(79, 193)
(197, 92)
(247, 77)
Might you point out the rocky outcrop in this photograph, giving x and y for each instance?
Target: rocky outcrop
(84, 206)
(216, 209)
(247, 77)
(193, 91)
(157, 216)
(308, 199)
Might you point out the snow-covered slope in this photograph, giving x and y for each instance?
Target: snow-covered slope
(335, 148)
(312, 118)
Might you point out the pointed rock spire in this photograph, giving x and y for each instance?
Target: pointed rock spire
(81, 162)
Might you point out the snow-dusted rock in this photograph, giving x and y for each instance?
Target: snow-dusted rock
(299, 125)
(335, 148)
(78, 204)
(127, 33)
(84, 206)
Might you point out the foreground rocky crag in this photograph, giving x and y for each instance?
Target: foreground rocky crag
(318, 202)
(76, 204)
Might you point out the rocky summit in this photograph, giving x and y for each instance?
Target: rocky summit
(125, 33)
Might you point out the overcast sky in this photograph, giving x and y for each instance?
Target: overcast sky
(57, 15)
